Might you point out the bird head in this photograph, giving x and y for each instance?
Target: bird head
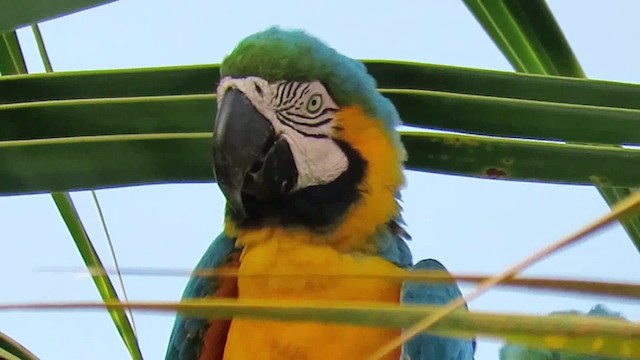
(303, 138)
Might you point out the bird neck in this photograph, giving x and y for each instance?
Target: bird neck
(377, 204)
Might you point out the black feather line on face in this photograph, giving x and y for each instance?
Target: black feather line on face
(318, 208)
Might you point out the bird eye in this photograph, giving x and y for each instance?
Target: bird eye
(314, 103)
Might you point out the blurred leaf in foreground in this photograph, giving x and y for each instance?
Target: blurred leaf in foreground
(514, 352)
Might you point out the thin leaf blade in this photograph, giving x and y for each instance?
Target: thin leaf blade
(74, 224)
(579, 286)
(528, 34)
(626, 207)
(91, 259)
(11, 58)
(12, 348)
(573, 333)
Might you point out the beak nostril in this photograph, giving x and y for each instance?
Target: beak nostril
(258, 89)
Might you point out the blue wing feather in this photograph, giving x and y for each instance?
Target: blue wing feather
(429, 347)
(187, 334)
(392, 246)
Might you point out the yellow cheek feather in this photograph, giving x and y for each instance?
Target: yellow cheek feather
(383, 177)
(347, 249)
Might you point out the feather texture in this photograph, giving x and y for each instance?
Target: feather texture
(189, 335)
(431, 347)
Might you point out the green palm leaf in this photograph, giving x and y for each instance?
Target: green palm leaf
(11, 59)
(12, 350)
(529, 36)
(66, 164)
(166, 101)
(518, 352)
(67, 210)
(614, 337)
(21, 13)
(586, 287)
(91, 259)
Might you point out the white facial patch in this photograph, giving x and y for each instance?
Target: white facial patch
(302, 113)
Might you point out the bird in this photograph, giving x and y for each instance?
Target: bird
(518, 352)
(307, 154)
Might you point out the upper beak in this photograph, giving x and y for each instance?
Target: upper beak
(249, 161)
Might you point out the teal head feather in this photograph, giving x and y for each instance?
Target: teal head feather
(276, 54)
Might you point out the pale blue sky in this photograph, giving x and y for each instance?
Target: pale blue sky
(471, 225)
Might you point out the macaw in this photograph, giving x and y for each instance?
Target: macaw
(307, 155)
(515, 352)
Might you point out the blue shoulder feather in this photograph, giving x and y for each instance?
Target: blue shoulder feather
(187, 335)
(391, 240)
(427, 347)
(392, 246)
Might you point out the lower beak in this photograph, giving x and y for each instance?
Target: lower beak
(249, 161)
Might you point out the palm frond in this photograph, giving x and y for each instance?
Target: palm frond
(12, 350)
(573, 333)
(16, 14)
(529, 36)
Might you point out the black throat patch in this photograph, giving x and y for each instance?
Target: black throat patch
(318, 208)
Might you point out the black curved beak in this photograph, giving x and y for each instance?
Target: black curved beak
(250, 163)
